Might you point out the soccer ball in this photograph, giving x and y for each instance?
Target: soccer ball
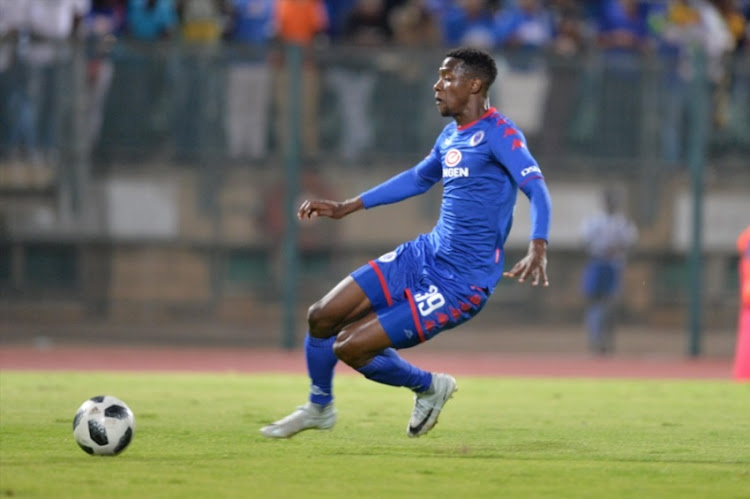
(104, 425)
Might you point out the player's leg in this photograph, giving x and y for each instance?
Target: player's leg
(593, 325)
(608, 325)
(366, 346)
(375, 286)
(435, 305)
(343, 304)
(411, 308)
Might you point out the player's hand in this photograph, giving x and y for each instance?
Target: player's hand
(533, 265)
(312, 208)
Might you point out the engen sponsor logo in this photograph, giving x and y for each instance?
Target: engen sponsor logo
(452, 157)
(455, 172)
(530, 169)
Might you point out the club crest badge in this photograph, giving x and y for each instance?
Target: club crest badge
(476, 138)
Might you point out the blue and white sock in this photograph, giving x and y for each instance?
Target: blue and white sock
(390, 369)
(321, 362)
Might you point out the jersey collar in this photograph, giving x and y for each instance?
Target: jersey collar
(469, 125)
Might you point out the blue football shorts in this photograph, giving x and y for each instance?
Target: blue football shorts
(601, 279)
(413, 297)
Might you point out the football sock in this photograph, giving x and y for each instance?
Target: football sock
(390, 369)
(320, 364)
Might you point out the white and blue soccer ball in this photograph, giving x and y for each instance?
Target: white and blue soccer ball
(104, 425)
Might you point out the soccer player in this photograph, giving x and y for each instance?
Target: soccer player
(440, 279)
(608, 236)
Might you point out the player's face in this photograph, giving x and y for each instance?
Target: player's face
(453, 88)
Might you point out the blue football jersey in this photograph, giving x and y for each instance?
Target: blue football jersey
(482, 164)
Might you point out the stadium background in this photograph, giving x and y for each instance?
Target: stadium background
(154, 234)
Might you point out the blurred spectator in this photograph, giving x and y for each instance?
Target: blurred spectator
(102, 25)
(15, 126)
(197, 85)
(607, 237)
(679, 29)
(300, 22)
(524, 30)
(248, 96)
(353, 78)
(251, 22)
(622, 27)
(439, 7)
(12, 16)
(338, 11)
(736, 21)
(570, 31)
(567, 50)
(414, 24)
(155, 67)
(727, 92)
(201, 21)
(469, 23)
(106, 19)
(683, 26)
(152, 19)
(717, 42)
(592, 8)
(527, 25)
(44, 63)
(367, 24)
(614, 85)
(738, 101)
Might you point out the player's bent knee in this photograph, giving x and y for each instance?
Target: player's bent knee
(355, 349)
(346, 351)
(341, 349)
(319, 325)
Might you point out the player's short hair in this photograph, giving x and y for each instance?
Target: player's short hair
(477, 63)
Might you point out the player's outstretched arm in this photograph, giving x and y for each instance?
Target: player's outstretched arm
(326, 208)
(533, 265)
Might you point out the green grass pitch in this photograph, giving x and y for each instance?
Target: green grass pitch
(197, 436)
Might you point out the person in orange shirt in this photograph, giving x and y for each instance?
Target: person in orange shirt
(742, 355)
(300, 22)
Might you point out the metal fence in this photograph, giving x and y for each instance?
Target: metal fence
(188, 104)
(153, 181)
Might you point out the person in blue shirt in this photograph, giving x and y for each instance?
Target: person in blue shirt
(152, 19)
(247, 113)
(469, 23)
(608, 236)
(438, 280)
(528, 25)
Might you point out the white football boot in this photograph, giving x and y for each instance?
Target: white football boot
(427, 404)
(306, 417)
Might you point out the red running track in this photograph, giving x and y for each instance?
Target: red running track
(157, 359)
